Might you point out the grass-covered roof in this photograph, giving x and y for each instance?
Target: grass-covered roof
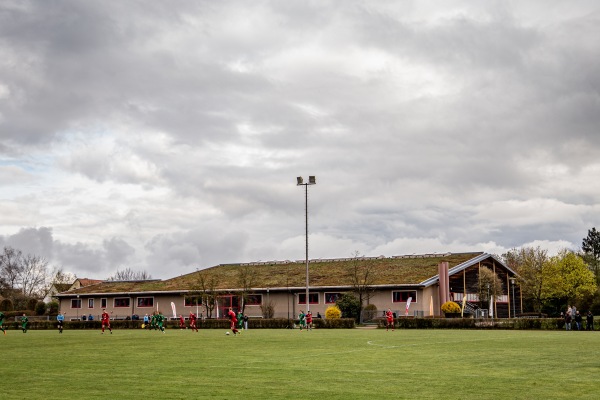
(400, 270)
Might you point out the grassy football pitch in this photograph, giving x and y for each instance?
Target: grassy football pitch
(293, 364)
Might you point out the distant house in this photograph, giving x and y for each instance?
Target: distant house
(428, 280)
(55, 289)
(63, 287)
(81, 282)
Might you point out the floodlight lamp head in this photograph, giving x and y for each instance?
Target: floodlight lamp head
(312, 180)
(300, 180)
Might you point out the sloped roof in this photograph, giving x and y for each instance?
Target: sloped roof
(464, 265)
(88, 282)
(397, 270)
(61, 287)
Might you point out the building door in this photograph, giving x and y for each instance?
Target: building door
(224, 302)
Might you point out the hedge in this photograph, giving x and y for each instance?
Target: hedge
(482, 323)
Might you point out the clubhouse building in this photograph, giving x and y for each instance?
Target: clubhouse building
(410, 285)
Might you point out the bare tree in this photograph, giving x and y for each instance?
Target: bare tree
(128, 274)
(206, 287)
(362, 276)
(246, 281)
(59, 276)
(33, 275)
(10, 267)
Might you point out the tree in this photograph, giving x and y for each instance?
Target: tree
(489, 286)
(362, 276)
(535, 274)
(591, 252)
(27, 274)
(572, 280)
(246, 281)
(206, 288)
(33, 275)
(349, 304)
(59, 276)
(10, 267)
(129, 275)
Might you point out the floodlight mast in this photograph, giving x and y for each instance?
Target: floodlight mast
(312, 180)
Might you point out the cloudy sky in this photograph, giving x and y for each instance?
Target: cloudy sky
(167, 136)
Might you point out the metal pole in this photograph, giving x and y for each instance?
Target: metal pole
(513, 298)
(306, 226)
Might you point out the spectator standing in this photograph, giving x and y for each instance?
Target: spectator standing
(589, 321)
(568, 321)
(578, 320)
(245, 322)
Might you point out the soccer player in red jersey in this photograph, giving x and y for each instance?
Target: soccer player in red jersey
(390, 319)
(309, 320)
(181, 322)
(233, 320)
(105, 321)
(193, 322)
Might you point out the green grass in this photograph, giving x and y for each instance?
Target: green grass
(289, 364)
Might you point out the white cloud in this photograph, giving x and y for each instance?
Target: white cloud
(167, 136)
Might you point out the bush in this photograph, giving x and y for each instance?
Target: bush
(349, 305)
(6, 305)
(370, 312)
(52, 308)
(450, 307)
(31, 303)
(333, 312)
(40, 308)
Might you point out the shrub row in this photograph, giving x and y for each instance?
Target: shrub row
(258, 323)
(486, 323)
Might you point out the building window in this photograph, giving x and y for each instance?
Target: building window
(254, 300)
(331, 298)
(192, 301)
(313, 298)
(402, 297)
(103, 303)
(121, 302)
(90, 303)
(145, 302)
(75, 303)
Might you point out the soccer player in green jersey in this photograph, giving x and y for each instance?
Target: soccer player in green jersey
(1, 322)
(301, 318)
(24, 321)
(159, 321)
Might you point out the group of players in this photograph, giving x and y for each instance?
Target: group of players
(305, 320)
(24, 323)
(156, 321)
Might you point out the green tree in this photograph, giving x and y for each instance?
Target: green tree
(572, 280)
(535, 274)
(591, 252)
(349, 304)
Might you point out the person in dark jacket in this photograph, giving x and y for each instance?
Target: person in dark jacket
(578, 320)
(589, 321)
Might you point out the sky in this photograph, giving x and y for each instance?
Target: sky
(166, 137)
